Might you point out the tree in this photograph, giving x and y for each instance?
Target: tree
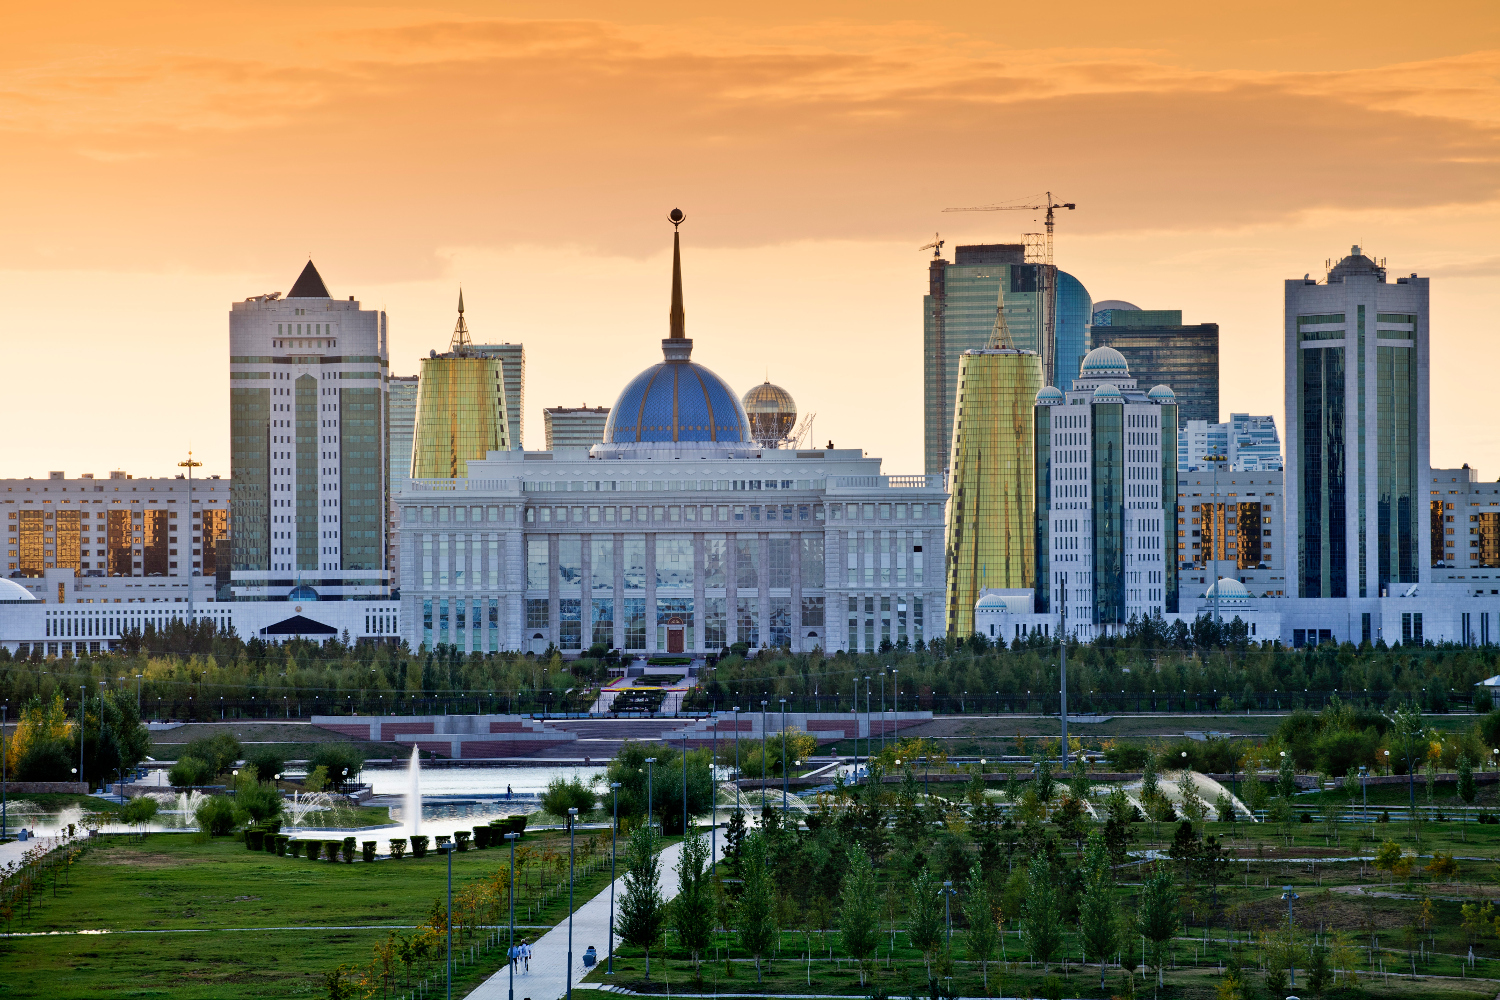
(641, 910)
(664, 795)
(562, 795)
(692, 910)
(1319, 975)
(926, 916)
(756, 912)
(1158, 917)
(1044, 783)
(1466, 789)
(1041, 927)
(140, 812)
(979, 911)
(1286, 776)
(215, 816)
(1096, 913)
(859, 913)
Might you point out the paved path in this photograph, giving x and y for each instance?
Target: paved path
(549, 954)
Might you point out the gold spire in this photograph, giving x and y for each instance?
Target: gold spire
(1000, 335)
(676, 319)
(460, 339)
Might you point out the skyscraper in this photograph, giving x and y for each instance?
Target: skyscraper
(575, 426)
(1161, 350)
(403, 421)
(1357, 430)
(460, 409)
(991, 543)
(1247, 444)
(958, 315)
(308, 421)
(512, 358)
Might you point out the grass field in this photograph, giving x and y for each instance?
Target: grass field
(207, 912)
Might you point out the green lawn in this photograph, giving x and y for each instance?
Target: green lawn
(230, 897)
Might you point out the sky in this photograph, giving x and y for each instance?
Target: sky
(161, 160)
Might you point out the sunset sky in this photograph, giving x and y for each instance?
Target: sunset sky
(159, 161)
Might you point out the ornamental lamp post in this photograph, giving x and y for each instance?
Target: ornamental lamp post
(572, 822)
(614, 835)
(786, 771)
(511, 952)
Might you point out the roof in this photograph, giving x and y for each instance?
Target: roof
(12, 591)
(299, 625)
(1161, 392)
(1104, 361)
(309, 285)
(677, 401)
(1107, 391)
(1228, 590)
(1049, 395)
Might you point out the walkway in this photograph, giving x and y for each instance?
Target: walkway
(549, 954)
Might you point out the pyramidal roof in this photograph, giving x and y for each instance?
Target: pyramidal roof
(309, 285)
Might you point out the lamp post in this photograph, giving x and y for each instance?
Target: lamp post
(764, 753)
(138, 695)
(448, 850)
(81, 690)
(650, 766)
(1364, 772)
(713, 799)
(4, 818)
(948, 894)
(1062, 645)
(869, 747)
(736, 756)
(786, 772)
(511, 951)
(614, 836)
(882, 708)
(1290, 897)
(190, 465)
(573, 822)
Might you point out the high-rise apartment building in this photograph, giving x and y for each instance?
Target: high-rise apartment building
(309, 426)
(958, 315)
(460, 409)
(403, 420)
(991, 541)
(1162, 350)
(1357, 430)
(1230, 523)
(1246, 443)
(1106, 454)
(512, 358)
(575, 426)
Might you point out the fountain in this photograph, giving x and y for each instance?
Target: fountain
(413, 805)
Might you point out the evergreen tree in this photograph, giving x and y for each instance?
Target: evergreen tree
(1286, 777)
(980, 914)
(859, 914)
(1097, 918)
(692, 910)
(1158, 917)
(1466, 789)
(756, 912)
(734, 840)
(642, 912)
(1041, 927)
(925, 927)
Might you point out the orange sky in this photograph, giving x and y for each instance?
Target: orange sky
(161, 160)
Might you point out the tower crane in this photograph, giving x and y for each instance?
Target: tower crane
(1049, 206)
(1046, 275)
(936, 246)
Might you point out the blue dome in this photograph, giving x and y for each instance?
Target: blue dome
(1049, 395)
(1103, 361)
(1107, 393)
(677, 401)
(302, 592)
(1162, 394)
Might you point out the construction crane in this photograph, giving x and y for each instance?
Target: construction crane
(1049, 206)
(1046, 275)
(936, 246)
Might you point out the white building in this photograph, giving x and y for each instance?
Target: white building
(678, 534)
(1247, 444)
(1230, 524)
(309, 429)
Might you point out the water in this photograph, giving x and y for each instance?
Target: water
(460, 781)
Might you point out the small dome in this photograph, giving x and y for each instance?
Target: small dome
(1103, 361)
(1107, 393)
(1049, 395)
(302, 592)
(1162, 394)
(990, 601)
(1111, 304)
(12, 591)
(1228, 590)
(772, 414)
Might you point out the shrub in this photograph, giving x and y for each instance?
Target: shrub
(1306, 817)
(343, 762)
(331, 850)
(368, 847)
(443, 840)
(314, 847)
(220, 752)
(255, 840)
(190, 771)
(419, 846)
(348, 848)
(270, 841)
(398, 847)
(462, 839)
(267, 761)
(1125, 758)
(562, 795)
(282, 840)
(215, 816)
(140, 811)
(294, 847)
(481, 837)
(1385, 817)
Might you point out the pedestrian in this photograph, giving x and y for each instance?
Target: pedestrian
(526, 955)
(507, 793)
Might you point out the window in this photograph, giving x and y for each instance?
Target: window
(569, 561)
(602, 563)
(779, 571)
(536, 563)
(812, 612)
(674, 561)
(746, 563)
(635, 621)
(603, 633)
(715, 628)
(812, 561)
(536, 613)
(569, 623)
(747, 620)
(781, 622)
(634, 562)
(715, 559)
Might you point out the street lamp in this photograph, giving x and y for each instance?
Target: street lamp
(572, 823)
(650, 764)
(1290, 897)
(448, 850)
(614, 836)
(511, 952)
(948, 893)
(1364, 772)
(737, 757)
(786, 772)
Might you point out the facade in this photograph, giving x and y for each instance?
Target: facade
(1230, 524)
(512, 358)
(119, 540)
(1247, 444)
(1357, 430)
(1106, 456)
(575, 426)
(308, 419)
(958, 315)
(460, 408)
(678, 534)
(991, 537)
(1162, 350)
(1464, 525)
(403, 419)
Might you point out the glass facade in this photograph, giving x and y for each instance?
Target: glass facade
(250, 457)
(460, 415)
(1397, 475)
(1321, 539)
(991, 541)
(1107, 442)
(1075, 311)
(1042, 519)
(1170, 560)
(362, 498)
(1186, 358)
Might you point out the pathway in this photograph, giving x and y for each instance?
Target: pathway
(549, 953)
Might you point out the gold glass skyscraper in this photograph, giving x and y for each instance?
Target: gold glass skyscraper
(460, 409)
(991, 521)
